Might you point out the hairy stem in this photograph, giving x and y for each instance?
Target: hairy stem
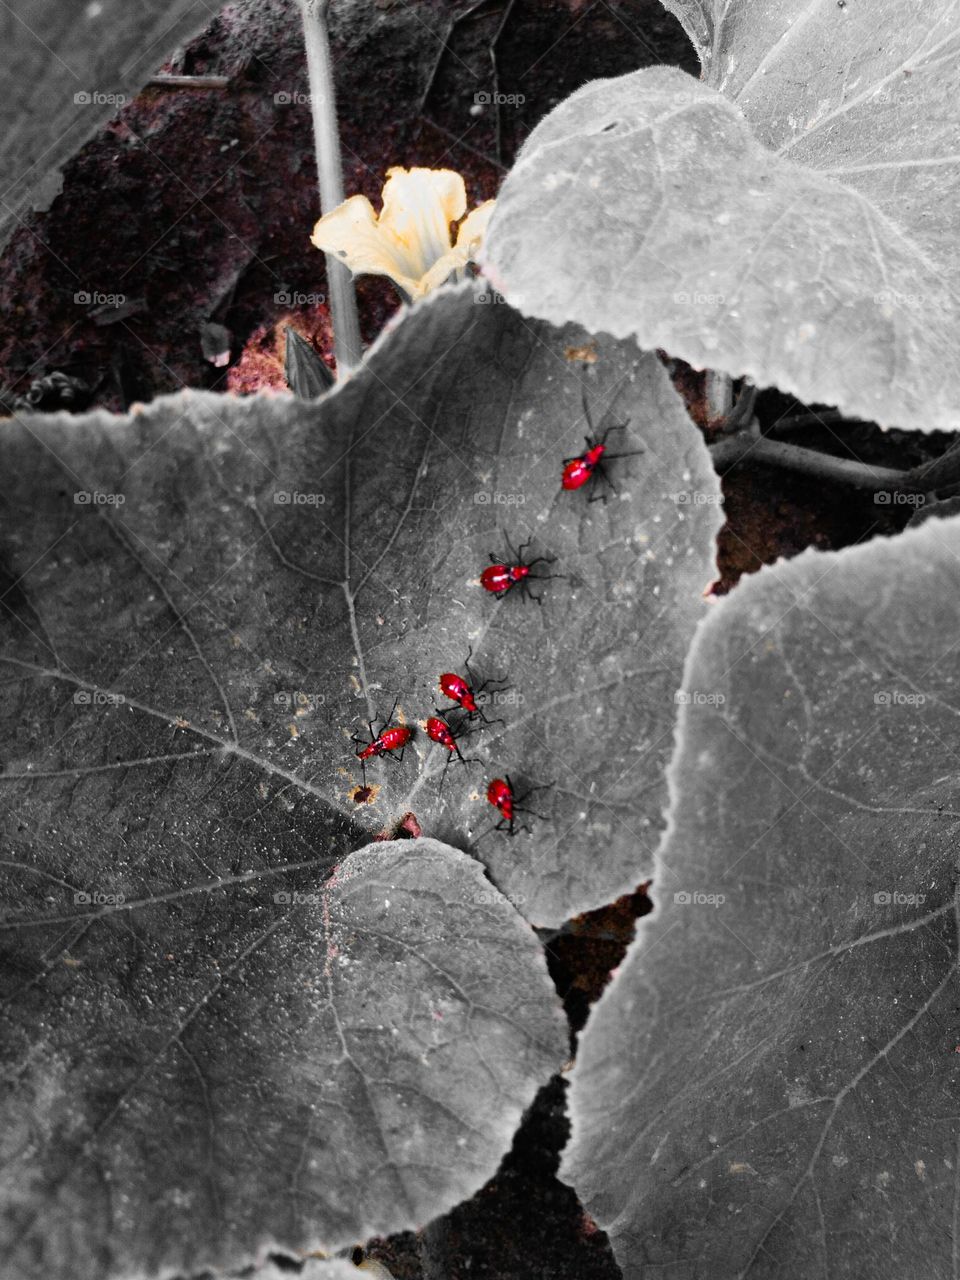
(798, 421)
(941, 473)
(719, 394)
(326, 136)
(730, 450)
(189, 82)
(740, 417)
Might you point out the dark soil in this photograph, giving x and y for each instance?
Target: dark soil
(197, 206)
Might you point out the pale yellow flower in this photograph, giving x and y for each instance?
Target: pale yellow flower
(410, 240)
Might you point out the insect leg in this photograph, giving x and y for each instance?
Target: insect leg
(586, 413)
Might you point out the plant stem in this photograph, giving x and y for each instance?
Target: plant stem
(730, 450)
(741, 416)
(797, 422)
(326, 136)
(719, 393)
(941, 473)
(189, 82)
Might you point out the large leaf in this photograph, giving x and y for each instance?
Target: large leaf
(798, 227)
(202, 601)
(312, 1269)
(278, 573)
(68, 67)
(769, 1087)
(238, 1043)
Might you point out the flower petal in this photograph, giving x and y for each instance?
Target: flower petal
(451, 262)
(350, 231)
(418, 208)
(469, 239)
(473, 228)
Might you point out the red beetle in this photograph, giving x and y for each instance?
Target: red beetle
(498, 578)
(465, 694)
(382, 744)
(581, 469)
(501, 794)
(393, 739)
(439, 731)
(457, 690)
(577, 471)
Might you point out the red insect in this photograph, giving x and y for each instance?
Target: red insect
(498, 578)
(580, 470)
(440, 731)
(501, 794)
(465, 694)
(382, 744)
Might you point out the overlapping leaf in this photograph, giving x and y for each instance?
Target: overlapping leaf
(202, 602)
(314, 1269)
(232, 1043)
(279, 573)
(769, 1086)
(66, 69)
(794, 220)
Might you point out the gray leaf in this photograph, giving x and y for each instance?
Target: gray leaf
(239, 1054)
(279, 572)
(202, 601)
(799, 230)
(769, 1086)
(312, 1269)
(306, 373)
(68, 67)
